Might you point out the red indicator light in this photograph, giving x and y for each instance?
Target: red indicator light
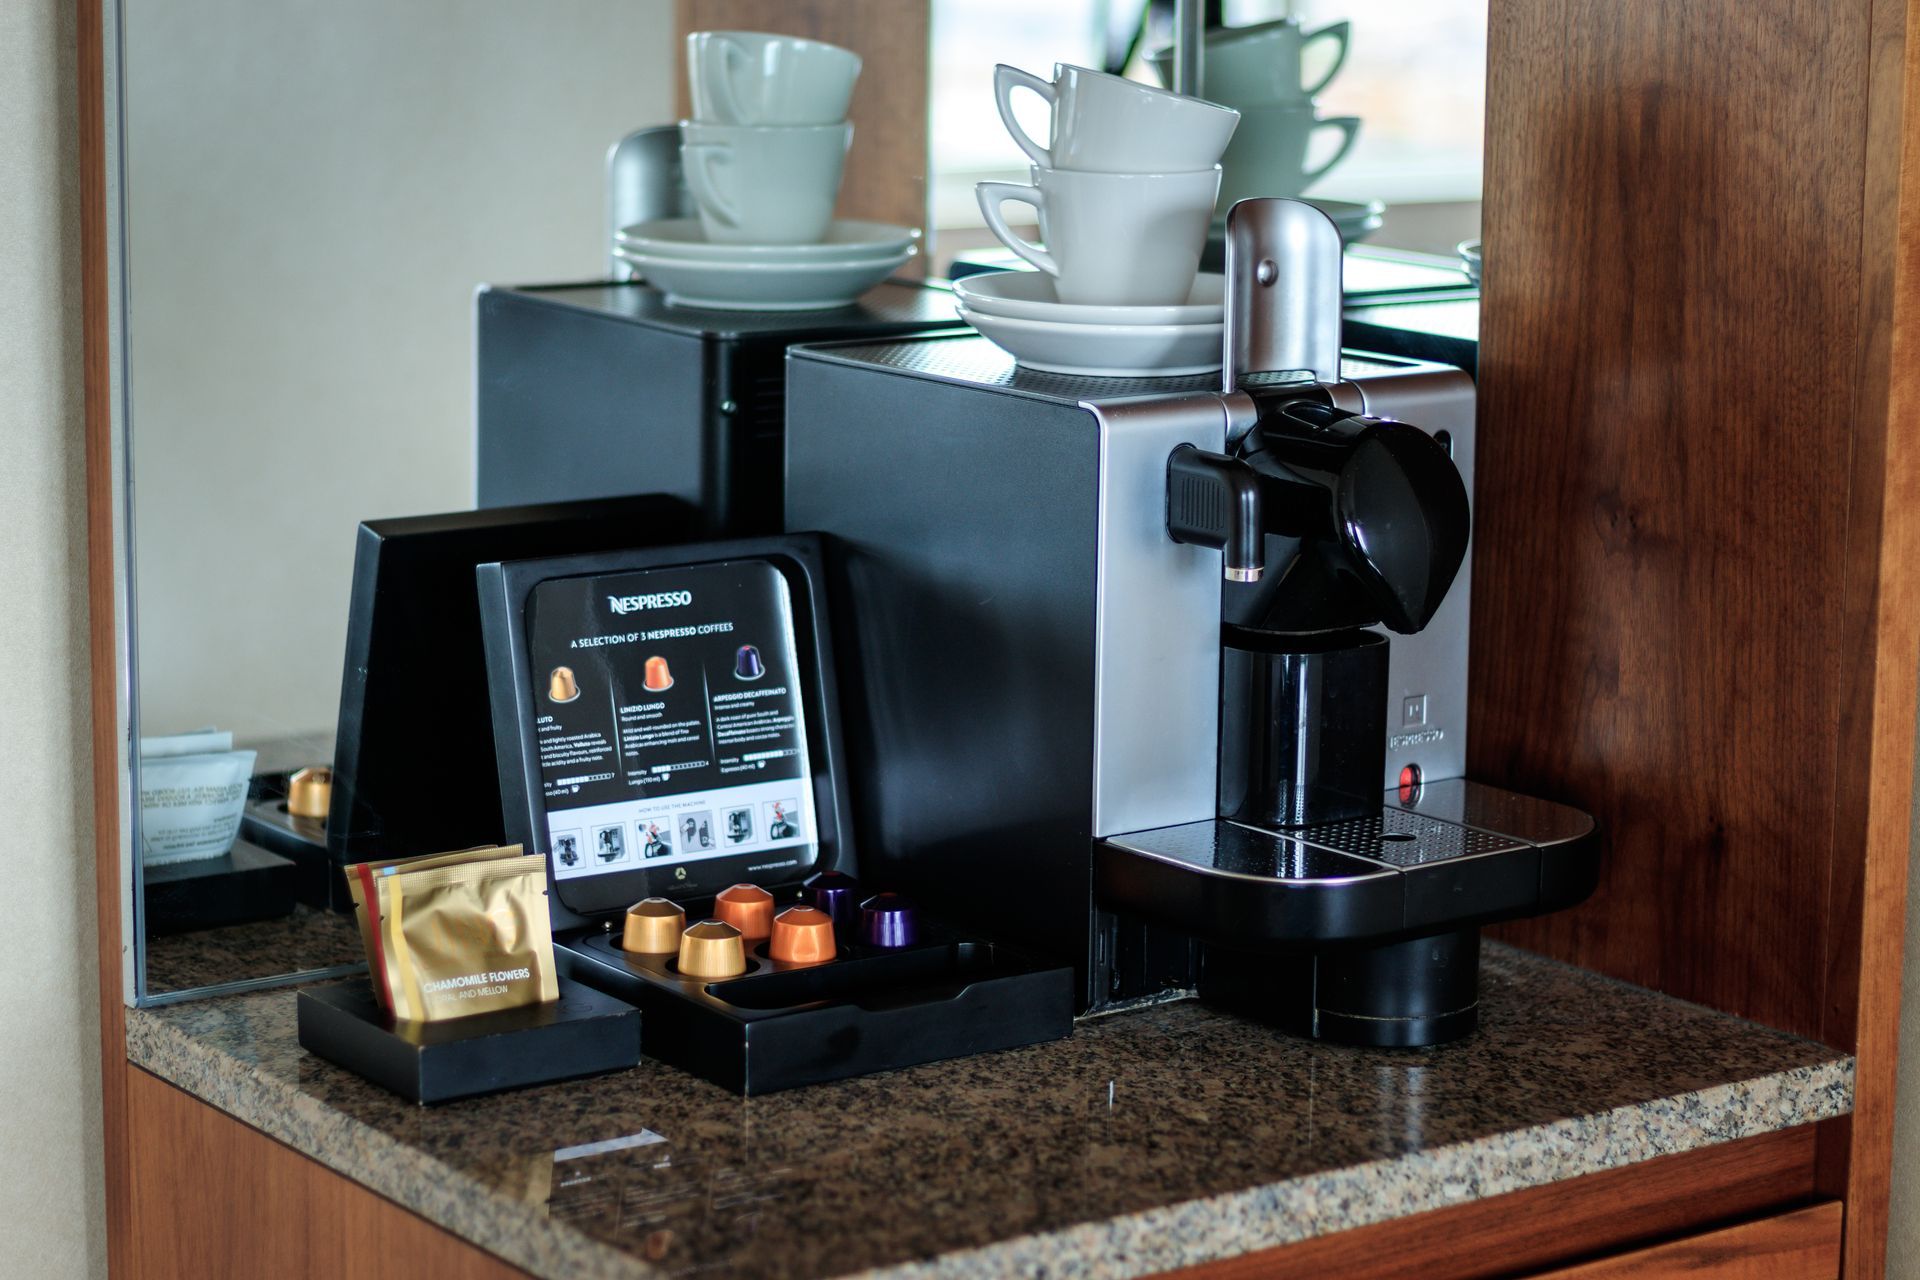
(1409, 783)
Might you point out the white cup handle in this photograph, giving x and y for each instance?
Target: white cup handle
(725, 94)
(1334, 31)
(994, 194)
(1005, 80)
(1348, 125)
(697, 162)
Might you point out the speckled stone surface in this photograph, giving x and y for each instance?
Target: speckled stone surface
(304, 941)
(1150, 1140)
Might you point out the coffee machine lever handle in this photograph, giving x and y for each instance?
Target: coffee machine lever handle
(1214, 501)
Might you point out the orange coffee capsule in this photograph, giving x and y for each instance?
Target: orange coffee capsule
(654, 926)
(748, 908)
(712, 949)
(802, 935)
(659, 679)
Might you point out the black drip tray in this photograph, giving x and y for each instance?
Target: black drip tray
(1453, 855)
(778, 1026)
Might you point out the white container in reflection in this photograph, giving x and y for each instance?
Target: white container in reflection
(1269, 152)
(1127, 239)
(764, 184)
(1108, 124)
(752, 77)
(1248, 66)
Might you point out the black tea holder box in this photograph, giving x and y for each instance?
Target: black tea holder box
(583, 1033)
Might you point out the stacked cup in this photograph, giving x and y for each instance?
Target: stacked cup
(769, 135)
(1123, 191)
(1260, 71)
(763, 157)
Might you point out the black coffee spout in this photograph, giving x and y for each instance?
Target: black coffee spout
(1376, 511)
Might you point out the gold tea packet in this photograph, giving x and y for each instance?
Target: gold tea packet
(451, 935)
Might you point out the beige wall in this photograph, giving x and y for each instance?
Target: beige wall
(51, 1194)
(315, 187)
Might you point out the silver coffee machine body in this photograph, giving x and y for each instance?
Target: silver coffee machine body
(1115, 678)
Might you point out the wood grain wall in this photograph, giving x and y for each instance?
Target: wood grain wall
(1695, 595)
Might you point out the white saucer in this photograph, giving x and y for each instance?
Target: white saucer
(764, 286)
(1029, 295)
(1105, 350)
(845, 241)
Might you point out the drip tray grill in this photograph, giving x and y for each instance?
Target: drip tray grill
(1406, 870)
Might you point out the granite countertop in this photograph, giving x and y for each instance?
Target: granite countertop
(1149, 1140)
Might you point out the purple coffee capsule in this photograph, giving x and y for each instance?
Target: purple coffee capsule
(837, 894)
(888, 920)
(747, 664)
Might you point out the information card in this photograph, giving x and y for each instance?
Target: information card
(669, 720)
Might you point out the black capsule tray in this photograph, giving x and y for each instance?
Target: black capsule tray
(780, 1026)
(1448, 856)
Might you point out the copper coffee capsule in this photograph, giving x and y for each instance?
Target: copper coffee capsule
(659, 679)
(712, 949)
(310, 792)
(561, 686)
(748, 908)
(653, 927)
(802, 935)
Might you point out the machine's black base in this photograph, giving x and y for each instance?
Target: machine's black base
(777, 1026)
(241, 885)
(1404, 995)
(583, 1033)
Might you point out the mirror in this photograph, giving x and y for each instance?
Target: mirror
(312, 195)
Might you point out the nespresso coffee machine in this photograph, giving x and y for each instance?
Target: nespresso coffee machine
(1113, 674)
(602, 388)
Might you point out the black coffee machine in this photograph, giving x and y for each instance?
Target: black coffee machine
(1113, 684)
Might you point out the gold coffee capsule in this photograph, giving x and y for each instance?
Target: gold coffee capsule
(802, 935)
(713, 949)
(561, 686)
(748, 908)
(653, 927)
(310, 792)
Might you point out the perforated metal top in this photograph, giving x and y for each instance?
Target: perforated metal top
(975, 362)
(970, 360)
(1403, 839)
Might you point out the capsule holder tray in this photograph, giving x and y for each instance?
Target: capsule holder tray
(583, 1033)
(778, 1026)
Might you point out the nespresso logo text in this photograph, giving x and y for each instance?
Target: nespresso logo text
(658, 600)
(1425, 737)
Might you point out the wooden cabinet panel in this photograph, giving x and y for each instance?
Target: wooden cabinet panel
(212, 1197)
(1506, 1234)
(1804, 1245)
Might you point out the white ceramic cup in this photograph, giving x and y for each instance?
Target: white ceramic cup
(764, 184)
(1107, 124)
(750, 77)
(1245, 66)
(1112, 239)
(1269, 152)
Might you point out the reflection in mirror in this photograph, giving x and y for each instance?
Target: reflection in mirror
(1376, 108)
(314, 192)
